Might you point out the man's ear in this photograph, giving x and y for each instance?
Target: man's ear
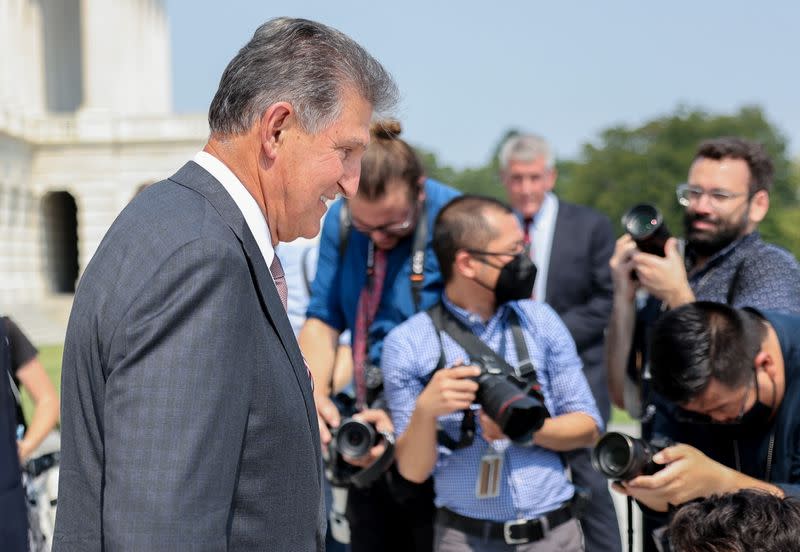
(464, 264)
(759, 205)
(552, 177)
(274, 122)
(766, 363)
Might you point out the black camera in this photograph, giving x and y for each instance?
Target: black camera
(645, 223)
(622, 457)
(515, 405)
(354, 439)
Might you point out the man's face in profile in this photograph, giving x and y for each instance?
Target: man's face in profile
(526, 183)
(313, 168)
(719, 209)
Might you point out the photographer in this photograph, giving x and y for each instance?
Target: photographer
(726, 197)
(735, 375)
(376, 268)
(493, 493)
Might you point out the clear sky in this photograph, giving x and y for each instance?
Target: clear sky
(469, 70)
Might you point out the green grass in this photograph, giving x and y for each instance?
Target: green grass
(50, 357)
(619, 416)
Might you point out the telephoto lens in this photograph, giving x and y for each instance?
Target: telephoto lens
(622, 457)
(645, 223)
(355, 438)
(518, 414)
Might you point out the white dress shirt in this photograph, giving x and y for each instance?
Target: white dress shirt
(541, 231)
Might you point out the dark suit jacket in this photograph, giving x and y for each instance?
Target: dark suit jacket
(187, 415)
(580, 290)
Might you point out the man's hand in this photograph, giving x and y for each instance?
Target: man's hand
(664, 277)
(689, 474)
(489, 428)
(327, 417)
(448, 391)
(380, 419)
(622, 266)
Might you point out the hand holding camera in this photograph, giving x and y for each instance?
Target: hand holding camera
(659, 474)
(647, 254)
(449, 391)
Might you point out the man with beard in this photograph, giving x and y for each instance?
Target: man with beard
(725, 261)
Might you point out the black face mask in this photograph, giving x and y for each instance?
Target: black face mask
(759, 416)
(515, 281)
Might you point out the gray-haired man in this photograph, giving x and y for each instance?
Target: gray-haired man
(188, 419)
(570, 245)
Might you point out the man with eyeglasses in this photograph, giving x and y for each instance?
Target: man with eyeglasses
(725, 260)
(736, 374)
(376, 268)
(493, 491)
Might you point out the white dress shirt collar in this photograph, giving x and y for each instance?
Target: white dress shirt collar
(244, 201)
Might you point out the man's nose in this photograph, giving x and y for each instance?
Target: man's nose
(349, 181)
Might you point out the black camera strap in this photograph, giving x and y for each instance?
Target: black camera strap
(444, 322)
(367, 476)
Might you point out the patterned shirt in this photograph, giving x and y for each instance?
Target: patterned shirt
(750, 273)
(533, 479)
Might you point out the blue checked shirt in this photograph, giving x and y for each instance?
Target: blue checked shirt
(534, 481)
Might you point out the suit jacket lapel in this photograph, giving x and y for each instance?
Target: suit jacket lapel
(198, 179)
(553, 268)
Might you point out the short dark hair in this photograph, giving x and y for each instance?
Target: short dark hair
(754, 154)
(744, 521)
(461, 225)
(302, 62)
(699, 341)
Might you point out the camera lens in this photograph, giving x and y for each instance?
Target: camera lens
(354, 438)
(518, 414)
(641, 220)
(612, 455)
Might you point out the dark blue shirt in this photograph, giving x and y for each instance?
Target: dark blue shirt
(338, 282)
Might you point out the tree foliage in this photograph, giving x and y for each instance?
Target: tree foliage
(628, 165)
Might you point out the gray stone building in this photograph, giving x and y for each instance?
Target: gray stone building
(85, 121)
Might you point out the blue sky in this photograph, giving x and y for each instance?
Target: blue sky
(470, 70)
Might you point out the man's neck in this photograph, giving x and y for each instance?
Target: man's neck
(232, 152)
(471, 297)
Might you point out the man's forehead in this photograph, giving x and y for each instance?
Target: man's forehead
(719, 173)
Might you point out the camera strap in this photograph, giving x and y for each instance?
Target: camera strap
(444, 322)
(367, 476)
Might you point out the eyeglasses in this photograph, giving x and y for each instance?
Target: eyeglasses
(688, 194)
(392, 228)
(525, 249)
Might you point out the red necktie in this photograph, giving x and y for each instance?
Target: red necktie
(368, 303)
(526, 224)
(283, 292)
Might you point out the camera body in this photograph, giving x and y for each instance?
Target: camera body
(515, 405)
(645, 223)
(622, 457)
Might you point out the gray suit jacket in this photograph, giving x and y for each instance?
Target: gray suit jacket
(188, 421)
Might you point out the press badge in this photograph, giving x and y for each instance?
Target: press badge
(490, 474)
